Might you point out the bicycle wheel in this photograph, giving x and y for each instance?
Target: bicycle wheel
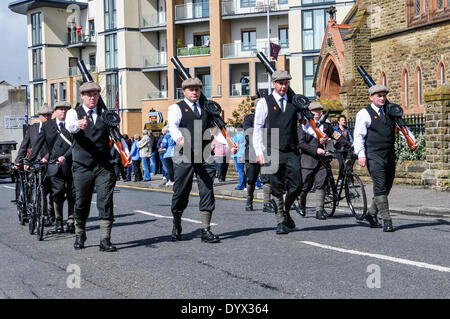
(39, 217)
(355, 195)
(330, 196)
(20, 203)
(32, 217)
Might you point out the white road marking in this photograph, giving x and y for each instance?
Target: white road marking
(10, 187)
(170, 217)
(384, 257)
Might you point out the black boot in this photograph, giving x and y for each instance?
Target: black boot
(79, 241)
(289, 221)
(320, 214)
(70, 228)
(282, 229)
(208, 236)
(59, 229)
(268, 208)
(105, 245)
(387, 226)
(176, 232)
(373, 220)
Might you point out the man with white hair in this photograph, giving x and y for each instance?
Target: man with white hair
(145, 151)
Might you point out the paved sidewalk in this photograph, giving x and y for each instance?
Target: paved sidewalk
(403, 199)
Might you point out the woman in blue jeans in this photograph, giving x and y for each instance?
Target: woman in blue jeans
(239, 160)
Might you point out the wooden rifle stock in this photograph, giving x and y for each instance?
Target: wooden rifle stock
(114, 131)
(398, 120)
(270, 69)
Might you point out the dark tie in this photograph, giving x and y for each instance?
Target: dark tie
(90, 116)
(196, 112)
(282, 104)
(61, 126)
(382, 117)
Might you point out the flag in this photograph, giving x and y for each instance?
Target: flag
(78, 29)
(274, 50)
(117, 101)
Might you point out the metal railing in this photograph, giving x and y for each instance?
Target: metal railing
(75, 38)
(192, 51)
(240, 89)
(157, 60)
(192, 11)
(154, 20)
(158, 95)
(232, 7)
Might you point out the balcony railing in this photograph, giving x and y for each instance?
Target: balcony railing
(192, 51)
(74, 71)
(232, 7)
(192, 11)
(157, 60)
(75, 38)
(154, 20)
(240, 89)
(246, 50)
(157, 95)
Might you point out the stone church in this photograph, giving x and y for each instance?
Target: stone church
(403, 44)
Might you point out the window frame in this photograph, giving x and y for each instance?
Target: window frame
(313, 29)
(248, 47)
(306, 77)
(36, 28)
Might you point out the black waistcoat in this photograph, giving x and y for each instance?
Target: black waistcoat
(91, 144)
(188, 120)
(286, 122)
(380, 138)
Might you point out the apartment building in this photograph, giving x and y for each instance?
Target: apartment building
(127, 45)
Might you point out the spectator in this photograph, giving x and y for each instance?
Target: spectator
(339, 146)
(207, 43)
(136, 159)
(169, 144)
(145, 152)
(129, 169)
(153, 159)
(244, 85)
(219, 148)
(239, 159)
(161, 152)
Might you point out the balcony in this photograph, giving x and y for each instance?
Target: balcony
(192, 12)
(193, 51)
(155, 62)
(157, 95)
(232, 8)
(248, 50)
(240, 89)
(154, 21)
(74, 71)
(76, 40)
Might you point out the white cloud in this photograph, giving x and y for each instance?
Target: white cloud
(13, 46)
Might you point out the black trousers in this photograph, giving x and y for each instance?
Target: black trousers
(137, 170)
(85, 179)
(184, 173)
(252, 172)
(316, 176)
(169, 165)
(382, 172)
(221, 166)
(62, 187)
(288, 170)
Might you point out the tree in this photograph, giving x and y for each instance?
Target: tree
(244, 108)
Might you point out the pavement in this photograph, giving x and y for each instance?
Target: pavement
(403, 199)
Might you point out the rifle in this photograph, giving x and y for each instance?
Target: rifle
(392, 109)
(298, 100)
(209, 106)
(111, 118)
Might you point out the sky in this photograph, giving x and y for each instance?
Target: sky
(13, 46)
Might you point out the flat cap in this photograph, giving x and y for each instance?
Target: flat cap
(89, 86)
(315, 106)
(45, 109)
(191, 82)
(280, 75)
(62, 105)
(144, 132)
(377, 88)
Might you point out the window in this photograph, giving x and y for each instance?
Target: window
(200, 39)
(248, 39)
(283, 36)
(308, 76)
(383, 79)
(316, 1)
(38, 97)
(62, 91)
(417, 7)
(37, 64)
(313, 29)
(111, 51)
(440, 4)
(92, 62)
(283, 1)
(418, 86)
(248, 3)
(91, 28)
(53, 94)
(111, 90)
(36, 29)
(441, 74)
(110, 14)
(424, 11)
(405, 89)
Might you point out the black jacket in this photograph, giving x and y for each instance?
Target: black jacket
(30, 138)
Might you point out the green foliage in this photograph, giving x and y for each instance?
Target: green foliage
(403, 152)
(244, 108)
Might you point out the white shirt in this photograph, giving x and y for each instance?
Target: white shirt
(310, 130)
(261, 113)
(72, 119)
(174, 118)
(362, 122)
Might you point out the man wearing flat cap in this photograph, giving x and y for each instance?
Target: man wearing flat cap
(374, 140)
(275, 113)
(92, 166)
(26, 147)
(58, 141)
(188, 122)
(311, 149)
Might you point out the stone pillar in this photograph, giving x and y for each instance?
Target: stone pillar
(437, 138)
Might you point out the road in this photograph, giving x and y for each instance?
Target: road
(336, 258)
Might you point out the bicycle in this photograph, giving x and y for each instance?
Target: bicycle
(22, 192)
(347, 180)
(36, 207)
